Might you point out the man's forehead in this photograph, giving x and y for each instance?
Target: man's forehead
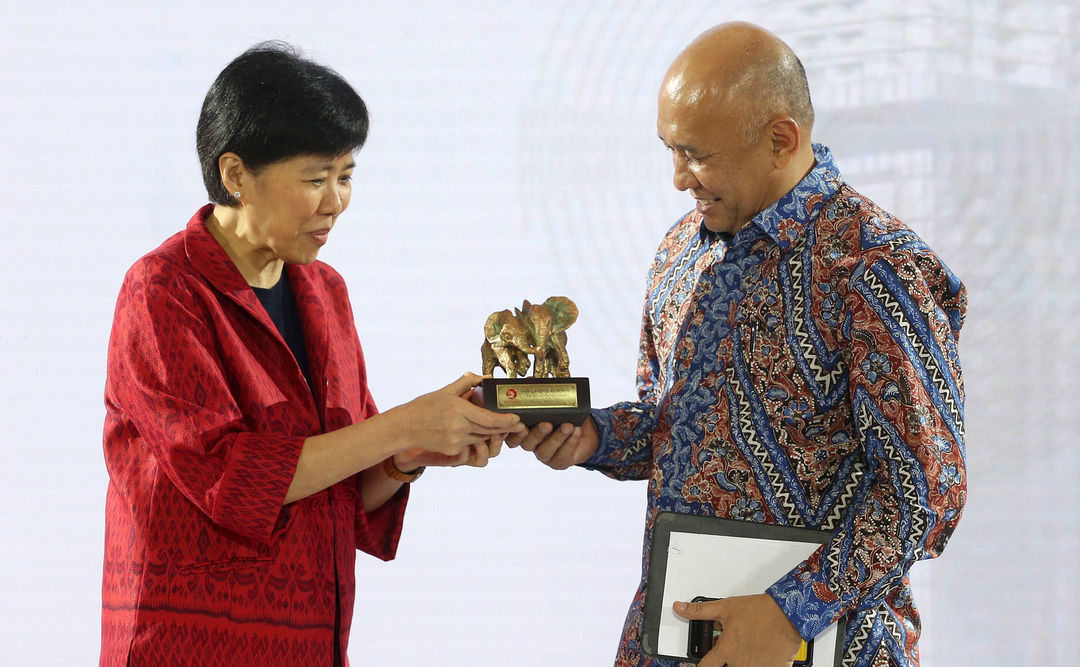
(680, 89)
(683, 126)
(673, 132)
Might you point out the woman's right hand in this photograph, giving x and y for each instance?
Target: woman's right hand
(446, 422)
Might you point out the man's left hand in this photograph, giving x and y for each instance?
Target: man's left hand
(756, 632)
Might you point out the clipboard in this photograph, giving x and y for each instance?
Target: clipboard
(702, 555)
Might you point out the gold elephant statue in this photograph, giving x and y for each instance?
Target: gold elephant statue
(506, 344)
(547, 323)
(538, 330)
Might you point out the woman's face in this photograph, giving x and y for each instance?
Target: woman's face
(292, 205)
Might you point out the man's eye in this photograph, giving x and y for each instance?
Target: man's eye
(346, 179)
(317, 181)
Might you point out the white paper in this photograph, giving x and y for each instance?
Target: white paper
(724, 566)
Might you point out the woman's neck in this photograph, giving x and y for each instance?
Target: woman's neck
(258, 265)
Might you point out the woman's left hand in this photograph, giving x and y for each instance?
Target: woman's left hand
(474, 455)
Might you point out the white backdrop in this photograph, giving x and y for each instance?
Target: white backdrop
(513, 155)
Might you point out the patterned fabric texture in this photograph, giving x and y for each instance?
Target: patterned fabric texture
(206, 413)
(804, 373)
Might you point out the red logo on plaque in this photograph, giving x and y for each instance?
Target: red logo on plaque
(511, 393)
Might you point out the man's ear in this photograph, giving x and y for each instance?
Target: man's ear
(786, 137)
(234, 175)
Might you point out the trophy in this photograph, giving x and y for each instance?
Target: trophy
(539, 331)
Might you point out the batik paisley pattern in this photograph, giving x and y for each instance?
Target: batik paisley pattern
(804, 372)
(206, 413)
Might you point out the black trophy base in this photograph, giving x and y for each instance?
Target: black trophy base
(534, 400)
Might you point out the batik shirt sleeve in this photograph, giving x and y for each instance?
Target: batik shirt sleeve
(625, 429)
(903, 315)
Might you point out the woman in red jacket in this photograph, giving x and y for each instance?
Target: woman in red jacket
(246, 457)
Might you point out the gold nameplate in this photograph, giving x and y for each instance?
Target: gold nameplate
(518, 396)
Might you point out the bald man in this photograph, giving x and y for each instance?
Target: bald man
(798, 366)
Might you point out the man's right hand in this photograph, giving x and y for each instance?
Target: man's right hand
(558, 448)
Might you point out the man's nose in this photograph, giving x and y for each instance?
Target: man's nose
(683, 179)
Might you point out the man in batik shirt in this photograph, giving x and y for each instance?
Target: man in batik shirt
(798, 366)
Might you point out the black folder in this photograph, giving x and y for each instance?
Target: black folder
(702, 555)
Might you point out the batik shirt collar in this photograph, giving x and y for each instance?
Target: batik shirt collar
(786, 219)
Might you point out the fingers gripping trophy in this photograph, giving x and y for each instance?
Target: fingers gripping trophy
(533, 336)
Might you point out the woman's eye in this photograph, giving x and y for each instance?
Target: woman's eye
(317, 181)
(346, 179)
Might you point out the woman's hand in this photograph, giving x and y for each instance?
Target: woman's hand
(417, 457)
(448, 423)
(474, 455)
(440, 429)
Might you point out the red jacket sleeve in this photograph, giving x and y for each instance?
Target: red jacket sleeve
(168, 380)
(376, 532)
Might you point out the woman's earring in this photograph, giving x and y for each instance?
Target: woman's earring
(237, 194)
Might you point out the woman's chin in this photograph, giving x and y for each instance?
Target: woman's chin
(303, 257)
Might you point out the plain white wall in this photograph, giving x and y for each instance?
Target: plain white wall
(513, 155)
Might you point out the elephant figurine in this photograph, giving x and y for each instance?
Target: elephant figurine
(506, 344)
(538, 330)
(547, 324)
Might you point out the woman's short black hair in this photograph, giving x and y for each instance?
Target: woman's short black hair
(270, 104)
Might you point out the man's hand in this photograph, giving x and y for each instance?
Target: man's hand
(756, 632)
(558, 448)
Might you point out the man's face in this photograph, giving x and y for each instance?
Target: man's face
(731, 180)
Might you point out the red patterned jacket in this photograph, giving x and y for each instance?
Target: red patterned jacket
(206, 414)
